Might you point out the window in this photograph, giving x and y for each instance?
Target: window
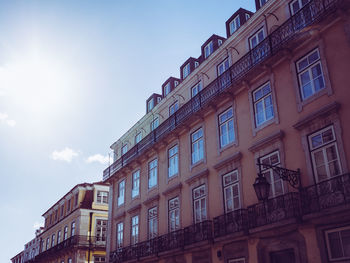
(76, 199)
(138, 137)
(173, 161)
(256, 38)
(72, 229)
(235, 24)
(173, 108)
(324, 154)
(223, 66)
(120, 234)
(167, 89)
(226, 128)
(68, 205)
(56, 214)
(135, 191)
(247, 16)
(199, 204)
(197, 146)
(338, 243)
(174, 214)
(53, 240)
(70, 260)
(134, 229)
(263, 107)
(159, 99)
(121, 192)
(101, 230)
(102, 197)
(219, 42)
(196, 64)
(152, 173)
(124, 149)
(47, 243)
(65, 233)
(208, 49)
(296, 5)
(62, 210)
(150, 104)
(231, 191)
(154, 123)
(262, 2)
(176, 82)
(98, 259)
(58, 236)
(310, 74)
(186, 70)
(276, 183)
(152, 223)
(196, 89)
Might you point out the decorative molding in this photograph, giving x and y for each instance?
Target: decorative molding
(134, 208)
(151, 199)
(267, 140)
(172, 189)
(119, 215)
(321, 113)
(197, 176)
(233, 158)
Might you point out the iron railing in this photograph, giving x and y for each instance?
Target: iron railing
(77, 241)
(274, 42)
(234, 221)
(178, 239)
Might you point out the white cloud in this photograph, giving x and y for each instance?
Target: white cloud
(4, 118)
(37, 225)
(98, 158)
(67, 154)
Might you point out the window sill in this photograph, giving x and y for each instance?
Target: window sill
(265, 124)
(228, 146)
(198, 163)
(312, 98)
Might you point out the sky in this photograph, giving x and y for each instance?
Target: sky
(74, 76)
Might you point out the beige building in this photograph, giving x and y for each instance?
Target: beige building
(75, 228)
(270, 99)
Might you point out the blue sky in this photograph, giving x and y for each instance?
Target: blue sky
(74, 76)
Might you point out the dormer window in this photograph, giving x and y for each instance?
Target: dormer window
(150, 104)
(208, 49)
(247, 16)
(196, 64)
(219, 42)
(186, 70)
(173, 108)
(235, 24)
(176, 83)
(167, 89)
(262, 2)
(124, 149)
(158, 99)
(138, 137)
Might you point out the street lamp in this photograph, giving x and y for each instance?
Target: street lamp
(262, 186)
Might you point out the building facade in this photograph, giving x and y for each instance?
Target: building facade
(270, 99)
(18, 258)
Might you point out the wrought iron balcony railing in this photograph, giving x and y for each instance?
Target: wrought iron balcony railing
(178, 239)
(234, 221)
(272, 44)
(74, 241)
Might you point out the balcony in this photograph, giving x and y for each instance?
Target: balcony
(82, 242)
(175, 240)
(282, 37)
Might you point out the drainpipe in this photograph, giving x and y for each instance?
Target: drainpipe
(90, 225)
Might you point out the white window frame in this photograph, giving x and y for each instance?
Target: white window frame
(102, 197)
(197, 146)
(121, 192)
(135, 191)
(186, 70)
(152, 222)
(72, 229)
(196, 89)
(150, 104)
(262, 2)
(199, 196)
(173, 107)
(269, 174)
(174, 214)
(224, 124)
(230, 182)
(138, 137)
(176, 83)
(154, 124)
(208, 49)
(223, 66)
(323, 148)
(256, 36)
(58, 236)
(47, 243)
(301, 4)
(152, 173)
(247, 16)
(65, 233)
(263, 100)
(124, 149)
(53, 240)
(339, 230)
(235, 24)
(134, 229)
(101, 230)
(167, 89)
(309, 71)
(173, 161)
(120, 234)
(196, 64)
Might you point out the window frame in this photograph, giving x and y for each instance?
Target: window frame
(154, 123)
(225, 64)
(152, 222)
(292, 12)
(102, 237)
(186, 70)
(196, 89)
(121, 193)
(173, 108)
(334, 230)
(135, 184)
(150, 104)
(134, 236)
(199, 141)
(174, 223)
(220, 124)
(236, 25)
(256, 35)
(138, 137)
(230, 185)
(124, 149)
(262, 99)
(120, 234)
(173, 156)
(167, 89)
(201, 206)
(72, 229)
(102, 197)
(208, 49)
(152, 174)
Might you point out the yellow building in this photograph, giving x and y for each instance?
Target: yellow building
(75, 227)
(272, 98)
